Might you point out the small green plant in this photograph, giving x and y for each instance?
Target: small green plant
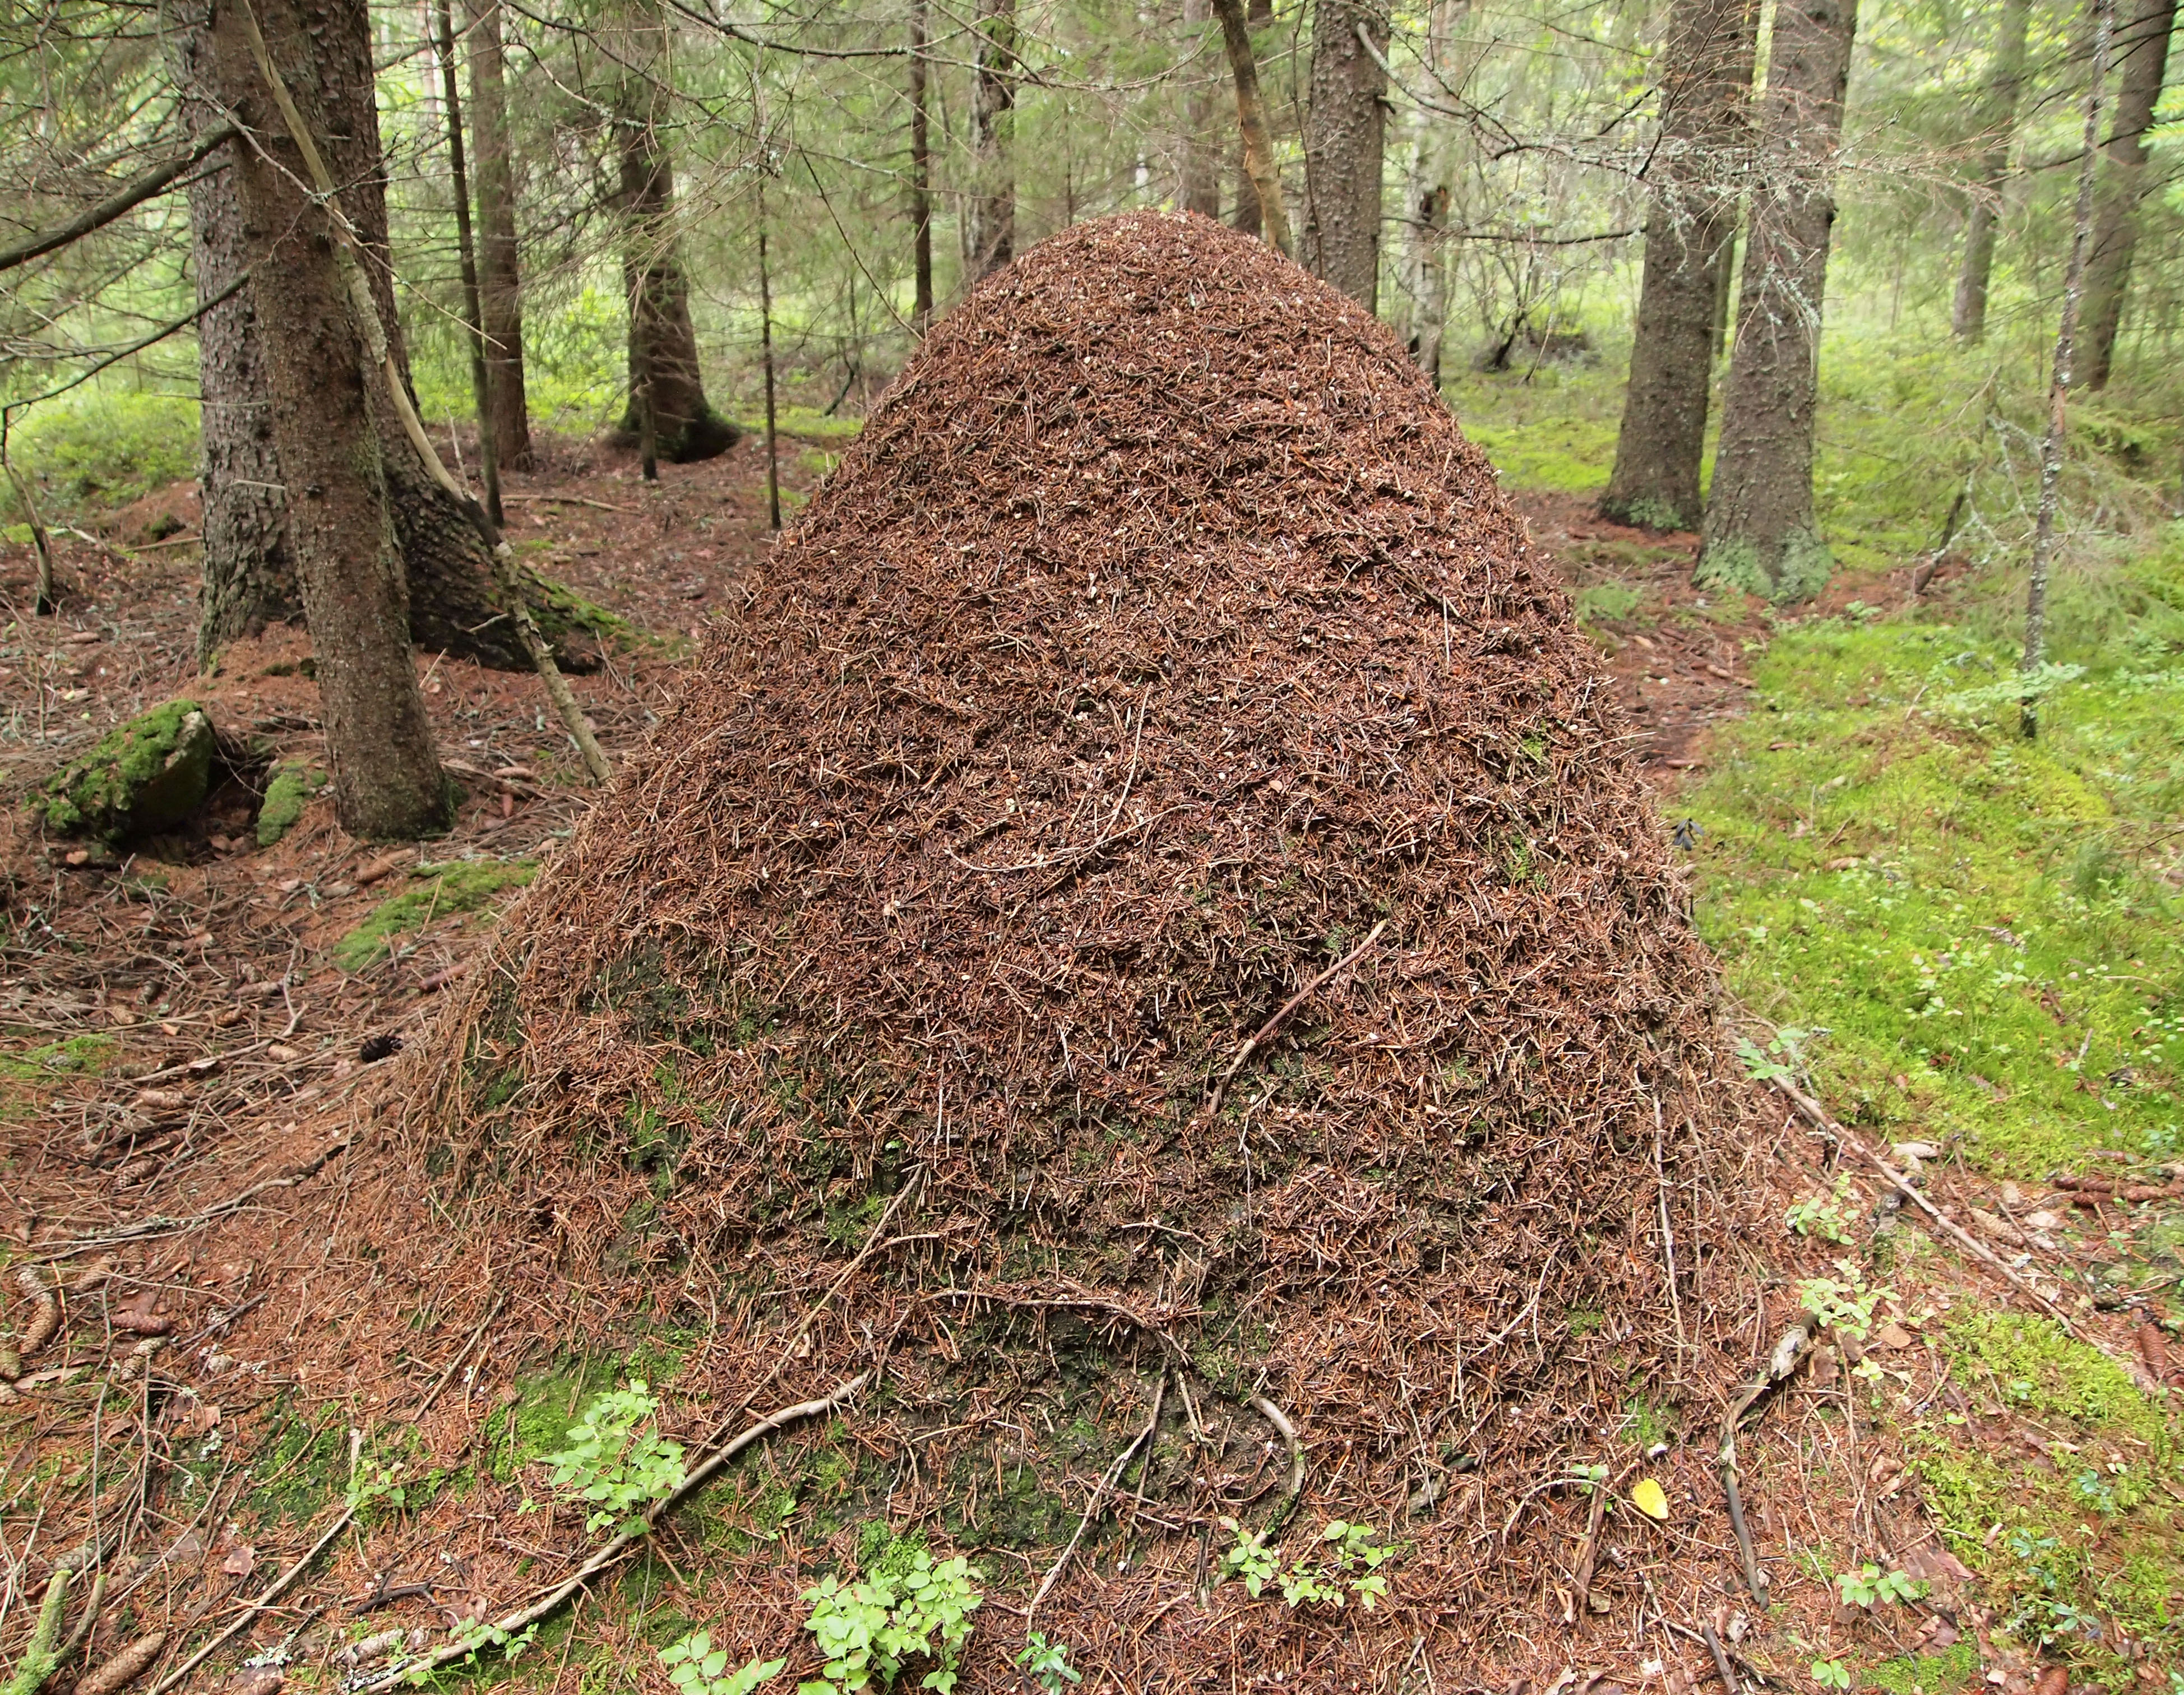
(1845, 1304)
(696, 1667)
(1249, 1559)
(1349, 1563)
(1831, 1674)
(376, 1482)
(612, 1463)
(1781, 1061)
(1047, 1664)
(1823, 1215)
(2044, 1615)
(1868, 1586)
(474, 1636)
(866, 1630)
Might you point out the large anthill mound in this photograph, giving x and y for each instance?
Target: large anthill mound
(1161, 644)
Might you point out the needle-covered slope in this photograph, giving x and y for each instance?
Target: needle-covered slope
(1161, 644)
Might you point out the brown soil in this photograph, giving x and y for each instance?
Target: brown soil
(350, 1296)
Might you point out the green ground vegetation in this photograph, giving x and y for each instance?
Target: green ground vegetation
(435, 891)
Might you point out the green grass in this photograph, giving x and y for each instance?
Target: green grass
(436, 892)
(1988, 931)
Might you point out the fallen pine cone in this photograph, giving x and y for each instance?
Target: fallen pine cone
(125, 1667)
(2153, 1349)
(45, 1315)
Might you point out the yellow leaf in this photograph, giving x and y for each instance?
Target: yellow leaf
(1647, 1496)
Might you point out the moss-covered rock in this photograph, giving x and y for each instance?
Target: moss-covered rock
(143, 777)
(293, 785)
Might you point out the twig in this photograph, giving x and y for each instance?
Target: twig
(1789, 1349)
(272, 1593)
(1092, 1505)
(1668, 1231)
(161, 1224)
(624, 1542)
(461, 1354)
(570, 501)
(1296, 1001)
(1591, 1552)
(1817, 1116)
(1720, 1660)
(1279, 1420)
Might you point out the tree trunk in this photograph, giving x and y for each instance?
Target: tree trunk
(1760, 532)
(249, 580)
(1997, 129)
(1274, 220)
(2142, 57)
(1201, 159)
(1689, 227)
(466, 253)
(387, 780)
(2034, 661)
(921, 167)
(1432, 324)
(500, 280)
(1344, 143)
(1258, 15)
(454, 606)
(663, 343)
(994, 100)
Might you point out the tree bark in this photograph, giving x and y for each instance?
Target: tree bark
(993, 106)
(1997, 131)
(663, 341)
(1258, 15)
(1201, 159)
(1265, 180)
(921, 167)
(2034, 659)
(1692, 221)
(1345, 141)
(387, 780)
(249, 580)
(466, 253)
(500, 280)
(2141, 56)
(1760, 533)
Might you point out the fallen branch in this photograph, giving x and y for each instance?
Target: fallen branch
(162, 1224)
(1789, 1349)
(622, 1543)
(1296, 1001)
(1280, 1420)
(1099, 1492)
(273, 1592)
(1817, 1116)
(43, 1653)
(569, 500)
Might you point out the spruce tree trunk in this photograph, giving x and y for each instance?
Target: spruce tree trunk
(2141, 59)
(1691, 221)
(453, 605)
(500, 280)
(921, 167)
(387, 781)
(663, 343)
(1247, 216)
(248, 579)
(1998, 129)
(1202, 160)
(1760, 532)
(1273, 223)
(1345, 139)
(992, 109)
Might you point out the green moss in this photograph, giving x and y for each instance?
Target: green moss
(1929, 1674)
(2040, 1368)
(438, 892)
(1957, 908)
(71, 1056)
(1607, 603)
(558, 609)
(143, 776)
(295, 784)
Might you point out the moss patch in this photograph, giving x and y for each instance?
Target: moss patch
(294, 785)
(1968, 916)
(436, 892)
(145, 776)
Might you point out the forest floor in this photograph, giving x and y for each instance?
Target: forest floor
(1866, 869)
